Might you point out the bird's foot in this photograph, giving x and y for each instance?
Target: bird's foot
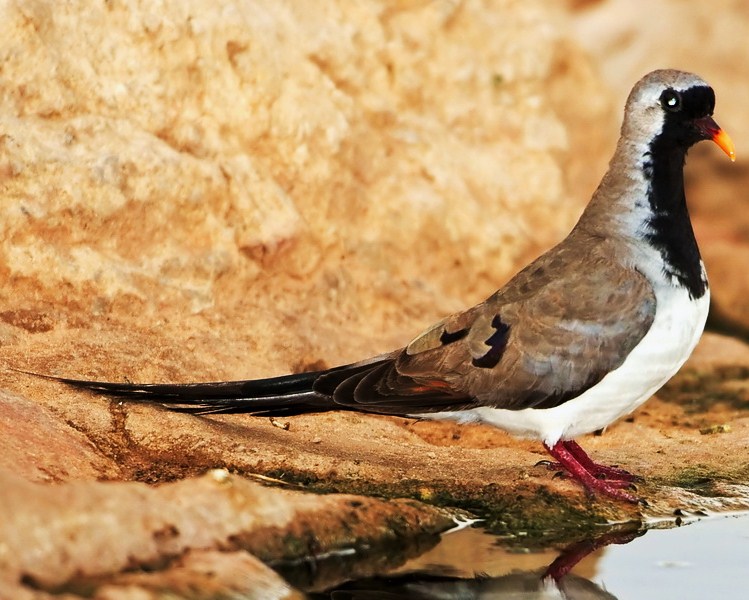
(612, 489)
(612, 474)
(611, 481)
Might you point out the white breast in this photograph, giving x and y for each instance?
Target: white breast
(675, 331)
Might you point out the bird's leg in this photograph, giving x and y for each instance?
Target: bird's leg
(596, 469)
(570, 464)
(573, 554)
(614, 475)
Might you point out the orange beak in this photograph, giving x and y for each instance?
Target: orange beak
(725, 143)
(712, 131)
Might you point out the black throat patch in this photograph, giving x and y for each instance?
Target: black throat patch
(669, 228)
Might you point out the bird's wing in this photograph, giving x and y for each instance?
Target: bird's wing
(551, 333)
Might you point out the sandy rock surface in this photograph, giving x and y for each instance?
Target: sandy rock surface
(191, 195)
(236, 189)
(203, 532)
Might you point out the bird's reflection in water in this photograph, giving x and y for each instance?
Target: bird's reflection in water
(473, 565)
(515, 586)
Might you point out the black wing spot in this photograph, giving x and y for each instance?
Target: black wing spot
(448, 338)
(497, 343)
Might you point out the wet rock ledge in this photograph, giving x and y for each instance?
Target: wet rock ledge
(208, 533)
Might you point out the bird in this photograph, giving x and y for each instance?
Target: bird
(517, 584)
(576, 340)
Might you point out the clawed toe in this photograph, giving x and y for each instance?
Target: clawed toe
(619, 484)
(614, 474)
(611, 481)
(550, 465)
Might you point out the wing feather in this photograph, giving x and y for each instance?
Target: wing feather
(546, 337)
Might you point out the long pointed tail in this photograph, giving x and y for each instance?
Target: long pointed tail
(290, 394)
(373, 385)
(284, 395)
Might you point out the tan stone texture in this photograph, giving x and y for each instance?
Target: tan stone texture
(243, 188)
(190, 533)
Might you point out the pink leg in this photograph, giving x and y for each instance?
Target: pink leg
(572, 465)
(573, 554)
(614, 476)
(596, 469)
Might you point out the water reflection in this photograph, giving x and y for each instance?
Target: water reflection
(470, 564)
(516, 586)
(704, 560)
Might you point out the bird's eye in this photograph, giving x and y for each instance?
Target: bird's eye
(671, 101)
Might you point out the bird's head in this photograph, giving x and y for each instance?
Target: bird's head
(673, 109)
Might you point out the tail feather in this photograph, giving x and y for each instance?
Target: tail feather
(285, 395)
(372, 386)
(329, 382)
(251, 388)
(275, 395)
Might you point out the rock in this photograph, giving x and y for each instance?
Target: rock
(715, 350)
(209, 573)
(33, 439)
(626, 46)
(192, 532)
(190, 195)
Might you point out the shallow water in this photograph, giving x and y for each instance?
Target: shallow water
(705, 558)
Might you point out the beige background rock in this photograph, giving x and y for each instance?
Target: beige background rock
(628, 41)
(240, 188)
(232, 189)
